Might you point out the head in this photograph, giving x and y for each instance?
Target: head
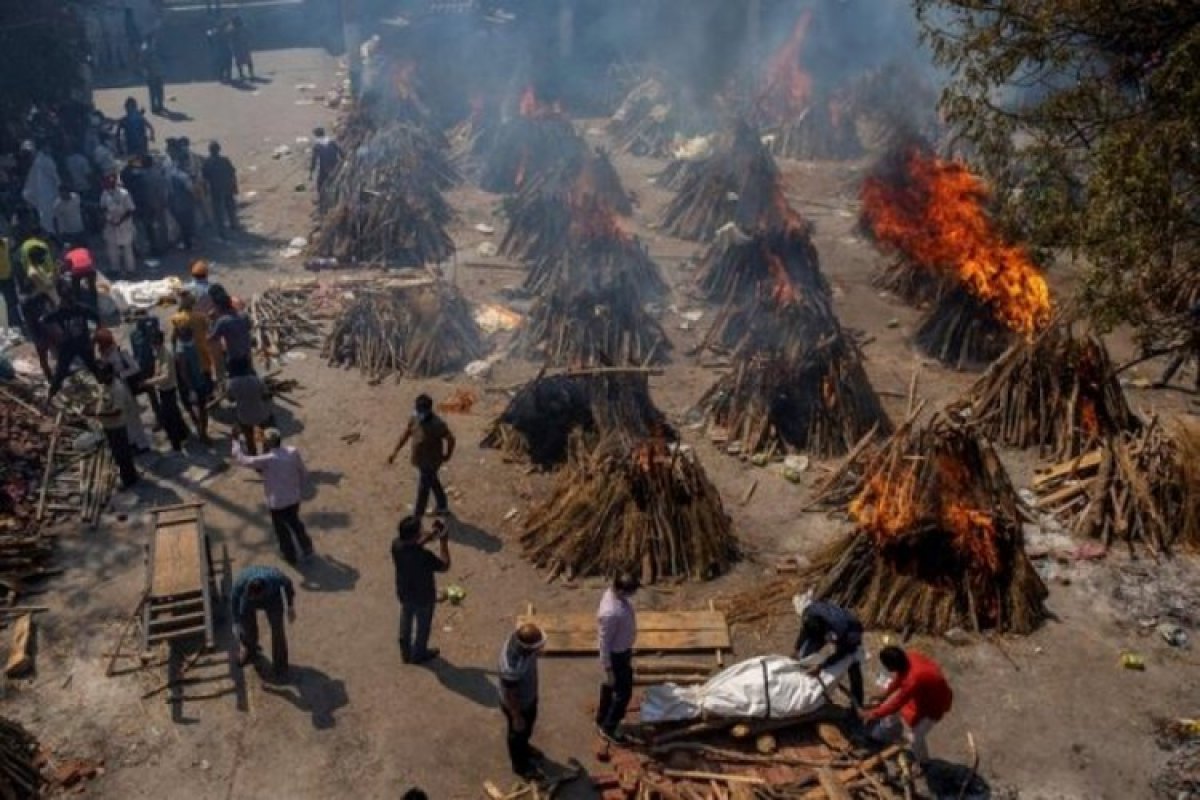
(319, 133)
(530, 638)
(109, 181)
(199, 269)
(625, 584)
(220, 297)
(815, 628)
(409, 529)
(187, 300)
(104, 374)
(104, 340)
(271, 438)
(257, 589)
(894, 659)
(214, 148)
(423, 405)
(130, 105)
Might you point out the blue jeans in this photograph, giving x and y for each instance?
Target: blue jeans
(428, 481)
(414, 647)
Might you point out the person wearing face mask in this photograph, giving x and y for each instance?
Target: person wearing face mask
(432, 446)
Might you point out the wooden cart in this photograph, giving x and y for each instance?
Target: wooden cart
(181, 588)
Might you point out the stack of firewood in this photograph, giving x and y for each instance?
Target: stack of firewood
(652, 118)
(20, 777)
(472, 139)
(1140, 487)
(419, 328)
(1059, 392)
(632, 505)
(526, 147)
(385, 205)
(823, 130)
(732, 185)
(544, 413)
(962, 332)
(938, 543)
(284, 319)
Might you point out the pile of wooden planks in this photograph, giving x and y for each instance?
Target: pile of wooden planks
(80, 476)
(636, 506)
(1058, 392)
(658, 632)
(284, 319)
(962, 332)
(1139, 487)
(19, 773)
(418, 327)
(542, 416)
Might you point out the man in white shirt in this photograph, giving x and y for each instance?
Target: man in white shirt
(68, 216)
(284, 476)
(118, 210)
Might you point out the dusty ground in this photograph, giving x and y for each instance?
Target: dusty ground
(1053, 714)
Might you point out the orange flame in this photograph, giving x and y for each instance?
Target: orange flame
(1089, 420)
(533, 108)
(935, 216)
(787, 86)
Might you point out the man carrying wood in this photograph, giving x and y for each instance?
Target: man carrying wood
(825, 623)
(918, 693)
(284, 476)
(617, 623)
(432, 446)
(416, 587)
(269, 590)
(519, 696)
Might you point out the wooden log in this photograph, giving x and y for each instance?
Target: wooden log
(20, 659)
(832, 785)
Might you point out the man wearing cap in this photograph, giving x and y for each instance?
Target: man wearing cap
(519, 696)
(82, 269)
(617, 623)
(284, 476)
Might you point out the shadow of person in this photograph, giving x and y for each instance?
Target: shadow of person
(468, 535)
(946, 779)
(174, 116)
(324, 573)
(311, 690)
(473, 683)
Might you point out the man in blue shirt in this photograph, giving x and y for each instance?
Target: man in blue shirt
(133, 131)
(263, 589)
(825, 623)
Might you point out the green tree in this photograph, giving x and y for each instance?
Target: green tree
(1086, 115)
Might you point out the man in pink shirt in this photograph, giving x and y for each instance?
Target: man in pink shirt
(617, 622)
(284, 476)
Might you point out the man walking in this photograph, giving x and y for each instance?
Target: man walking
(519, 696)
(432, 446)
(251, 405)
(325, 157)
(231, 331)
(72, 318)
(918, 693)
(617, 623)
(284, 477)
(264, 589)
(165, 383)
(110, 410)
(824, 623)
(221, 178)
(416, 587)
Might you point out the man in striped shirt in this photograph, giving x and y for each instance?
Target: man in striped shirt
(617, 623)
(265, 589)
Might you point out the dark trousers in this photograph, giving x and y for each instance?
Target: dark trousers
(12, 303)
(415, 622)
(224, 211)
(122, 454)
(171, 418)
(185, 218)
(287, 524)
(428, 481)
(614, 700)
(806, 647)
(154, 86)
(68, 351)
(279, 646)
(249, 439)
(518, 741)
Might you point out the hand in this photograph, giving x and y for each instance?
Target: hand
(814, 670)
(610, 680)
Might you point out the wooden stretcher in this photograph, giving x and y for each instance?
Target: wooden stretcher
(181, 589)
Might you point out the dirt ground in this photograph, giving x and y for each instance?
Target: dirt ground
(1053, 714)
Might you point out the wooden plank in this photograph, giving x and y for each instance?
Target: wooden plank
(646, 621)
(181, 633)
(187, 602)
(176, 568)
(1062, 495)
(1087, 461)
(20, 660)
(166, 518)
(653, 641)
(834, 789)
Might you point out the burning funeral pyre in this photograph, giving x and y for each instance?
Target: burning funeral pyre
(1058, 391)
(385, 205)
(931, 213)
(473, 138)
(541, 214)
(592, 295)
(798, 382)
(631, 504)
(546, 412)
(938, 543)
(801, 119)
(652, 119)
(419, 327)
(536, 141)
(1142, 487)
(735, 184)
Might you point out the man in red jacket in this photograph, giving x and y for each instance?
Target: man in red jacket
(918, 692)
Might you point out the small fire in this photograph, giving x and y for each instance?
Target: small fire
(783, 293)
(533, 108)
(1089, 420)
(935, 216)
(787, 86)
